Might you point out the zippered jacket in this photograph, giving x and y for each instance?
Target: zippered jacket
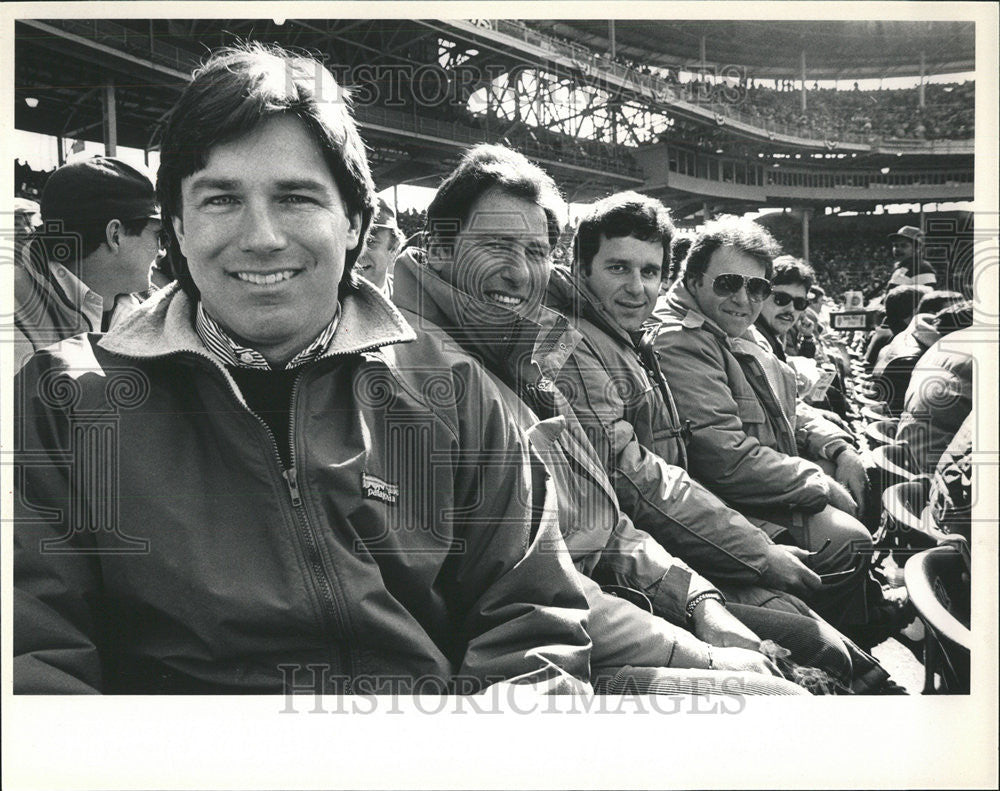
(160, 546)
(614, 383)
(524, 357)
(746, 433)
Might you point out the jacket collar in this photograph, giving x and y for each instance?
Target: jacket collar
(546, 340)
(571, 296)
(679, 302)
(165, 325)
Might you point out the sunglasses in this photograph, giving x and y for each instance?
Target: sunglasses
(726, 285)
(781, 299)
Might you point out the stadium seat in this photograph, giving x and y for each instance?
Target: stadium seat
(882, 432)
(938, 584)
(906, 523)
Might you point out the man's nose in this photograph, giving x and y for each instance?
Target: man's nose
(633, 284)
(516, 267)
(740, 297)
(261, 230)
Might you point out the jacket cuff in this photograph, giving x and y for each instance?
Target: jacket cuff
(832, 450)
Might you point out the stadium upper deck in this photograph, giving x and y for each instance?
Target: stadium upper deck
(598, 120)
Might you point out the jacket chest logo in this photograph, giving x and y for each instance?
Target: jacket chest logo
(376, 489)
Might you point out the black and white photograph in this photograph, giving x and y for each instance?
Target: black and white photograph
(621, 375)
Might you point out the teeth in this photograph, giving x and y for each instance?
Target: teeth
(265, 280)
(503, 299)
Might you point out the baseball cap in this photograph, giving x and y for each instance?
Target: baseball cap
(910, 232)
(385, 217)
(97, 190)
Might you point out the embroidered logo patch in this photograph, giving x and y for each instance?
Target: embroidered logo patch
(377, 489)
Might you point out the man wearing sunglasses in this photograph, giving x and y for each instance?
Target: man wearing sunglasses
(751, 443)
(788, 300)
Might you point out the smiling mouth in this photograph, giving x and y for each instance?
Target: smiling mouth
(631, 305)
(504, 299)
(735, 315)
(266, 279)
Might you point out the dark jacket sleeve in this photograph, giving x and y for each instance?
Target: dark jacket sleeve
(733, 463)
(526, 612)
(56, 575)
(661, 498)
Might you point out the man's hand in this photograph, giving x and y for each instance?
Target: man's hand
(852, 474)
(840, 498)
(834, 418)
(714, 624)
(786, 570)
(743, 660)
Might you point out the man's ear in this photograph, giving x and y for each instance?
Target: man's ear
(438, 253)
(113, 234)
(353, 231)
(178, 225)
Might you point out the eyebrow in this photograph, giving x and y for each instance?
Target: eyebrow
(285, 185)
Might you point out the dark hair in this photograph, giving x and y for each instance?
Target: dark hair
(936, 301)
(728, 230)
(233, 93)
(900, 305)
(91, 236)
(678, 252)
(792, 271)
(482, 168)
(622, 214)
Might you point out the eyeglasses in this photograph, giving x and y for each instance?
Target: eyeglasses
(781, 299)
(726, 285)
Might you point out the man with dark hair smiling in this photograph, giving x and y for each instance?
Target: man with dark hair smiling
(614, 384)
(491, 230)
(299, 506)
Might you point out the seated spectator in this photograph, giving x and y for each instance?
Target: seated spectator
(614, 385)
(751, 443)
(85, 276)
(384, 242)
(938, 398)
(491, 229)
(26, 219)
(910, 268)
(274, 532)
(788, 300)
(900, 305)
(897, 359)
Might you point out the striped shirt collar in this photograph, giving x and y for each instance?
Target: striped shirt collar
(231, 353)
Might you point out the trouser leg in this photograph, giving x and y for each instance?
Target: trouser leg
(842, 603)
(673, 681)
(811, 642)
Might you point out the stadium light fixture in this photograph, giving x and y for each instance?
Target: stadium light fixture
(31, 101)
(883, 171)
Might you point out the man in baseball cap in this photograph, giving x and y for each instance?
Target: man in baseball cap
(909, 268)
(385, 240)
(91, 257)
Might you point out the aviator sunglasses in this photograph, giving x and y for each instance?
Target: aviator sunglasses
(781, 299)
(726, 285)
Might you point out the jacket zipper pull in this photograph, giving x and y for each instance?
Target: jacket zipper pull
(291, 478)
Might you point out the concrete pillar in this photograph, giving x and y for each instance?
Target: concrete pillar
(920, 90)
(803, 71)
(395, 199)
(704, 63)
(109, 120)
(706, 213)
(805, 234)
(611, 37)
(923, 220)
(60, 150)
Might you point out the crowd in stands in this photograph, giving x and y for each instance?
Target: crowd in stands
(948, 112)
